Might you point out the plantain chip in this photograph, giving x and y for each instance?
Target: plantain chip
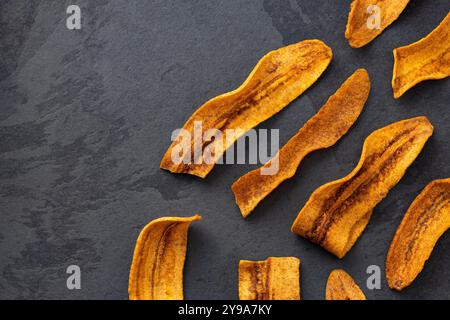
(368, 19)
(341, 286)
(424, 223)
(279, 77)
(158, 261)
(272, 279)
(426, 59)
(338, 212)
(321, 131)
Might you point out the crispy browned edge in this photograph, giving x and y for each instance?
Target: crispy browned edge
(202, 170)
(355, 24)
(137, 286)
(341, 286)
(297, 226)
(278, 283)
(418, 233)
(334, 119)
(443, 62)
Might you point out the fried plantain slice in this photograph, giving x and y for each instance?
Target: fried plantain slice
(158, 261)
(321, 131)
(424, 223)
(337, 213)
(341, 286)
(279, 77)
(426, 59)
(272, 279)
(358, 32)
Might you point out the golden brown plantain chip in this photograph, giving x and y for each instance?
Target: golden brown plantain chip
(426, 59)
(360, 30)
(321, 131)
(337, 213)
(158, 261)
(424, 223)
(272, 279)
(279, 77)
(341, 286)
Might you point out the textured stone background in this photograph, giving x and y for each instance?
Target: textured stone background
(86, 116)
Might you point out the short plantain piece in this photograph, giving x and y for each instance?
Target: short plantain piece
(158, 261)
(422, 226)
(360, 30)
(341, 286)
(338, 212)
(427, 59)
(279, 78)
(272, 279)
(323, 130)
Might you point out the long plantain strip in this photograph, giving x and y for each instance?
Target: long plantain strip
(337, 213)
(272, 279)
(279, 78)
(359, 30)
(158, 261)
(427, 59)
(341, 286)
(322, 131)
(425, 222)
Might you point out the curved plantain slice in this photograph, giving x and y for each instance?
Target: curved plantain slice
(358, 32)
(337, 213)
(279, 77)
(424, 223)
(321, 131)
(272, 279)
(158, 261)
(427, 59)
(341, 286)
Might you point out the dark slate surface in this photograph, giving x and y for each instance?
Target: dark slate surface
(87, 115)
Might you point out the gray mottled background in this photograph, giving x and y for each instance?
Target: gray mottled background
(86, 116)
